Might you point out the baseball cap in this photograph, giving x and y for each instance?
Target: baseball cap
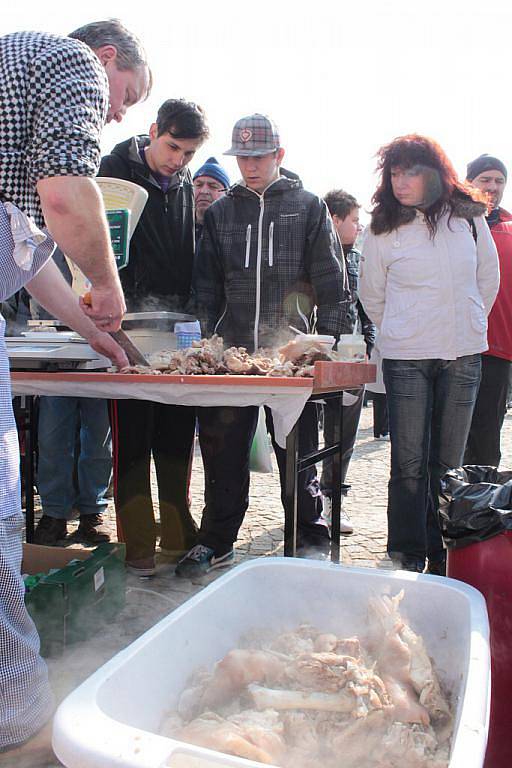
(254, 135)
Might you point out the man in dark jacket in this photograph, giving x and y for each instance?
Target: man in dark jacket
(344, 210)
(489, 174)
(269, 258)
(158, 277)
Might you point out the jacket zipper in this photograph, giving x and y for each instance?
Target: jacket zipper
(166, 202)
(221, 318)
(247, 245)
(271, 244)
(258, 272)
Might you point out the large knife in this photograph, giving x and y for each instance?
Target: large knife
(134, 355)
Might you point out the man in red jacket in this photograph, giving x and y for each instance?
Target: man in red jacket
(490, 176)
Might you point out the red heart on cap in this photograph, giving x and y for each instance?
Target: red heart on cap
(245, 134)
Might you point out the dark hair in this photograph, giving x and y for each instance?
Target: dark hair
(340, 203)
(130, 52)
(182, 119)
(442, 187)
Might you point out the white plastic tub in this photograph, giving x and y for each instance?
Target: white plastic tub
(114, 717)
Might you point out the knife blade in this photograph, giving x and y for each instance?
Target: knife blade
(134, 355)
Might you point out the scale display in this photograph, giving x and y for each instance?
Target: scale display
(119, 225)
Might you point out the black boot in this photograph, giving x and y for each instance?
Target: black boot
(50, 530)
(91, 530)
(437, 566)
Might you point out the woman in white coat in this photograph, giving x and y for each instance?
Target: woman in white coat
(429, 277)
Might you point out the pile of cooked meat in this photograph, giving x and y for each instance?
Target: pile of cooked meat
(308, 698)
(208, 356)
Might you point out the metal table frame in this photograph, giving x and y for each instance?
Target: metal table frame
(295, 464)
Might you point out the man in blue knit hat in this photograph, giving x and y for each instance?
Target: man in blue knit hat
(210, 181)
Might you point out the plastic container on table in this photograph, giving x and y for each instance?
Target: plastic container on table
(487, 565)
(113, 718)
(352, 347)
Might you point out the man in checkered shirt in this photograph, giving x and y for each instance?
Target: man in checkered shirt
(56, 95)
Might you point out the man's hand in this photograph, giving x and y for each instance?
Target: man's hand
(50, 289)
(105, 345)
(105, 306)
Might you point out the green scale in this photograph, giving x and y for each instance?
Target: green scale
(119, 225)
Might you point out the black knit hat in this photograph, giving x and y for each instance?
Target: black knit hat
(484, 163)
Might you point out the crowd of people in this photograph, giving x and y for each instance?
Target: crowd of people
(250, 260)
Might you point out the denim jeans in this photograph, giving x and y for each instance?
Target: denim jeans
(61, 419)
(430, 405)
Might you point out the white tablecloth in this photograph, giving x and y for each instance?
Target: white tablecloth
(286, 403)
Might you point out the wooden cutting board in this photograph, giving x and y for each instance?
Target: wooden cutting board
(333, 375)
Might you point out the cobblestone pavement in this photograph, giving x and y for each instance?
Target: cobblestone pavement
(148, 600)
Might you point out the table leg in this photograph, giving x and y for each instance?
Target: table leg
(336, 481)
(290, 513)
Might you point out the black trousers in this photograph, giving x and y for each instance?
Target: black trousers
(351, 416)
(141, 429)
(225, 437)
(380, 414)
(483, 446)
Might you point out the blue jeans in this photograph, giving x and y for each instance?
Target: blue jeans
(430, 405)
(62, 490)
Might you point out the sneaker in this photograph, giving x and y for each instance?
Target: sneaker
(200, 560)
(381, 437)
(409, 564)
(346, 526)
(144, 567)
(50, 530)
(90, 530)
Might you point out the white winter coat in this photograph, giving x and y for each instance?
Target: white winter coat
(430, 297)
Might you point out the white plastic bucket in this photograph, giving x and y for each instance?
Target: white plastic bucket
(113, 718)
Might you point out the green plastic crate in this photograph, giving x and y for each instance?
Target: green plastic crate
(72, 604)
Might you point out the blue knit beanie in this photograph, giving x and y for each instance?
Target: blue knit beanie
(212, 168)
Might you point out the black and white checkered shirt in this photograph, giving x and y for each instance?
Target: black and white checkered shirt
(53, 105)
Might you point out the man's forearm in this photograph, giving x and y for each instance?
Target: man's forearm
(51, 290)
(75, 217)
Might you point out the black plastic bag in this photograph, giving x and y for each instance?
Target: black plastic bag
(475, 504)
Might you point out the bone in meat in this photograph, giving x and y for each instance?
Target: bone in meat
(236, 670)
(275, 698)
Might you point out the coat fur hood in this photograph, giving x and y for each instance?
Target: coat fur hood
(462, 206)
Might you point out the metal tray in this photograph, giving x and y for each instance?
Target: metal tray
(162, 321)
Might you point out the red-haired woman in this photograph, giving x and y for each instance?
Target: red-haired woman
(429, 278)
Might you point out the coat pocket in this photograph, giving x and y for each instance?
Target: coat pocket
(401, 322)
(477, 316)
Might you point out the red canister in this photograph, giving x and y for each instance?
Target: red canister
(487, 566)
